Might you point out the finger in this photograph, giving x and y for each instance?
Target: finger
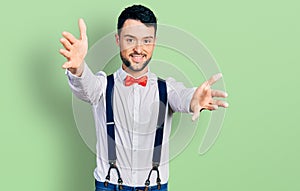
(82, 29)
(69, 37)
(202, 89)
(65, 43)
(220, 103)
(214, 78)
(196, 113)
(66, 65)
(212, 107)
(65, 53)
(218, 93)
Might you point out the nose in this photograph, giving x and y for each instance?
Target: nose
(138, 48)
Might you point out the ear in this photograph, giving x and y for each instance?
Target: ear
(117, 39)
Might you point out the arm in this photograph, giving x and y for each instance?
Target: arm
(88, 87)
(182, 99)
(179, 97)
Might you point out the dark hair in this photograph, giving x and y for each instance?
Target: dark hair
(137, 12)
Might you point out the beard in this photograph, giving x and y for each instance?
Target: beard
(129, 65)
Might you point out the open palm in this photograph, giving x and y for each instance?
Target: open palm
(203, 97)
(75, 49)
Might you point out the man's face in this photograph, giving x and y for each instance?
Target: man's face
(136, 42)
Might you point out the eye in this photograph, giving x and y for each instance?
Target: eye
(147, 41)
(129, 40)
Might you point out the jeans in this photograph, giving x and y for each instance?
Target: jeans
(112, 187)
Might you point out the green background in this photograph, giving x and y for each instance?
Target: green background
(255, 43)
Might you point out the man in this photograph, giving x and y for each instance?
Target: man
(126, 144)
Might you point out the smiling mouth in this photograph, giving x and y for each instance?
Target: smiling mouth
(137, 58)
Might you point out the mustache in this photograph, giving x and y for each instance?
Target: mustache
(128, 64)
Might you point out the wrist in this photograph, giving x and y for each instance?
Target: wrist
(77, 71)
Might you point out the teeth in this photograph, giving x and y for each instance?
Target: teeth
(137, 58)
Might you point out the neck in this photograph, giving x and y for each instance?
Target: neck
(133, 73)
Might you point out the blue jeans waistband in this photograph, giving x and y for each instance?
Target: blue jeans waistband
(100, 185)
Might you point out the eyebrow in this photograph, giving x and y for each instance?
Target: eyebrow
(128, 35)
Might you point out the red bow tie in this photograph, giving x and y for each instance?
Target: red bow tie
(141, 81)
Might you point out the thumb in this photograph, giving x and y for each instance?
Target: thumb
(82, 29)
(196, 112)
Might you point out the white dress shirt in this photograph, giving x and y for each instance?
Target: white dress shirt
(135, 113)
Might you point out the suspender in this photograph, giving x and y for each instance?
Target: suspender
(110, 124)
(110, 128)
(160, 121)
(162, 88)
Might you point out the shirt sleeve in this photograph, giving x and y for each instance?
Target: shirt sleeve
(88, 87)
(179, 97)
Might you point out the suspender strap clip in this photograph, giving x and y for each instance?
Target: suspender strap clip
(113, 166)
(158, 180)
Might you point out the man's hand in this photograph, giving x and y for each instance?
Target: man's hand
(75, 49)
(203, 97)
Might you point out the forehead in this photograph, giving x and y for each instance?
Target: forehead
(137, 29)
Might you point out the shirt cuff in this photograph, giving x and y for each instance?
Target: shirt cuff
(75, 80)
(188, 100)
